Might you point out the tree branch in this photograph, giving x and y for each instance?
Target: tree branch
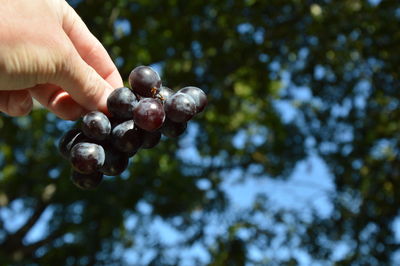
(14, 241)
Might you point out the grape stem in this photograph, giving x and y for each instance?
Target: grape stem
(154, 91)
(157, 95)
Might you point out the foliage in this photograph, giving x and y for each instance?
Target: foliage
(249, 56)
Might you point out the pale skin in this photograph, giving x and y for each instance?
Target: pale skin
(47, 53)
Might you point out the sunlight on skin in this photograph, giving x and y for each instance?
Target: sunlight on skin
(62, 65)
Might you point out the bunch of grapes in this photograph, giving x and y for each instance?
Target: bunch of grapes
(139, 116)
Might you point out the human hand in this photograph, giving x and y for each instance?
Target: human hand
(48, 53)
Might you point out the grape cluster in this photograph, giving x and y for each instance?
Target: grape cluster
(139, 116)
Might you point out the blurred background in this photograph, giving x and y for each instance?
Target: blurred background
(295, 161)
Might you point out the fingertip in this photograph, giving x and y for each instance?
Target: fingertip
(102, 104)
(19, 103)
(57, 100)
(25, 107)
(84, 84)
(65, 107)
(115, 79)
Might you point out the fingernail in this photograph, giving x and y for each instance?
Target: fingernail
(22, 107)
(26, 102)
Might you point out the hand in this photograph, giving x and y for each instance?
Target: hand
(48, 53)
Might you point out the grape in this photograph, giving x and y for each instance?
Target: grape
(95, 125)
(180, 107)
(70, 138)
(127, 137)
(165, 93)
(173, 129)
(198, 95)
(150, 139)
(86, 181)
(115, 162)
(139, 116)
(149, 114)
(87, 158)
(120, 103)
(145, 81)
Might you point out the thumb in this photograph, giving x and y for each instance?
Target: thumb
(83, 83)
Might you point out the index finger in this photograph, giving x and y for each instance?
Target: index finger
(89, 47)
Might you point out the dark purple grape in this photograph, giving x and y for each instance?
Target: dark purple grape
(198, 95)
(173, 129)
(70, 138)
(95, 125)
(127, 137)
(180, 107)
(86, 181)
(87, 158)
(165, 93)
(115, 162)
(150, 139)
(120, 103)
(145, 81)
(149, 114)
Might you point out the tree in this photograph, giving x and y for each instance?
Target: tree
(248, 56)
